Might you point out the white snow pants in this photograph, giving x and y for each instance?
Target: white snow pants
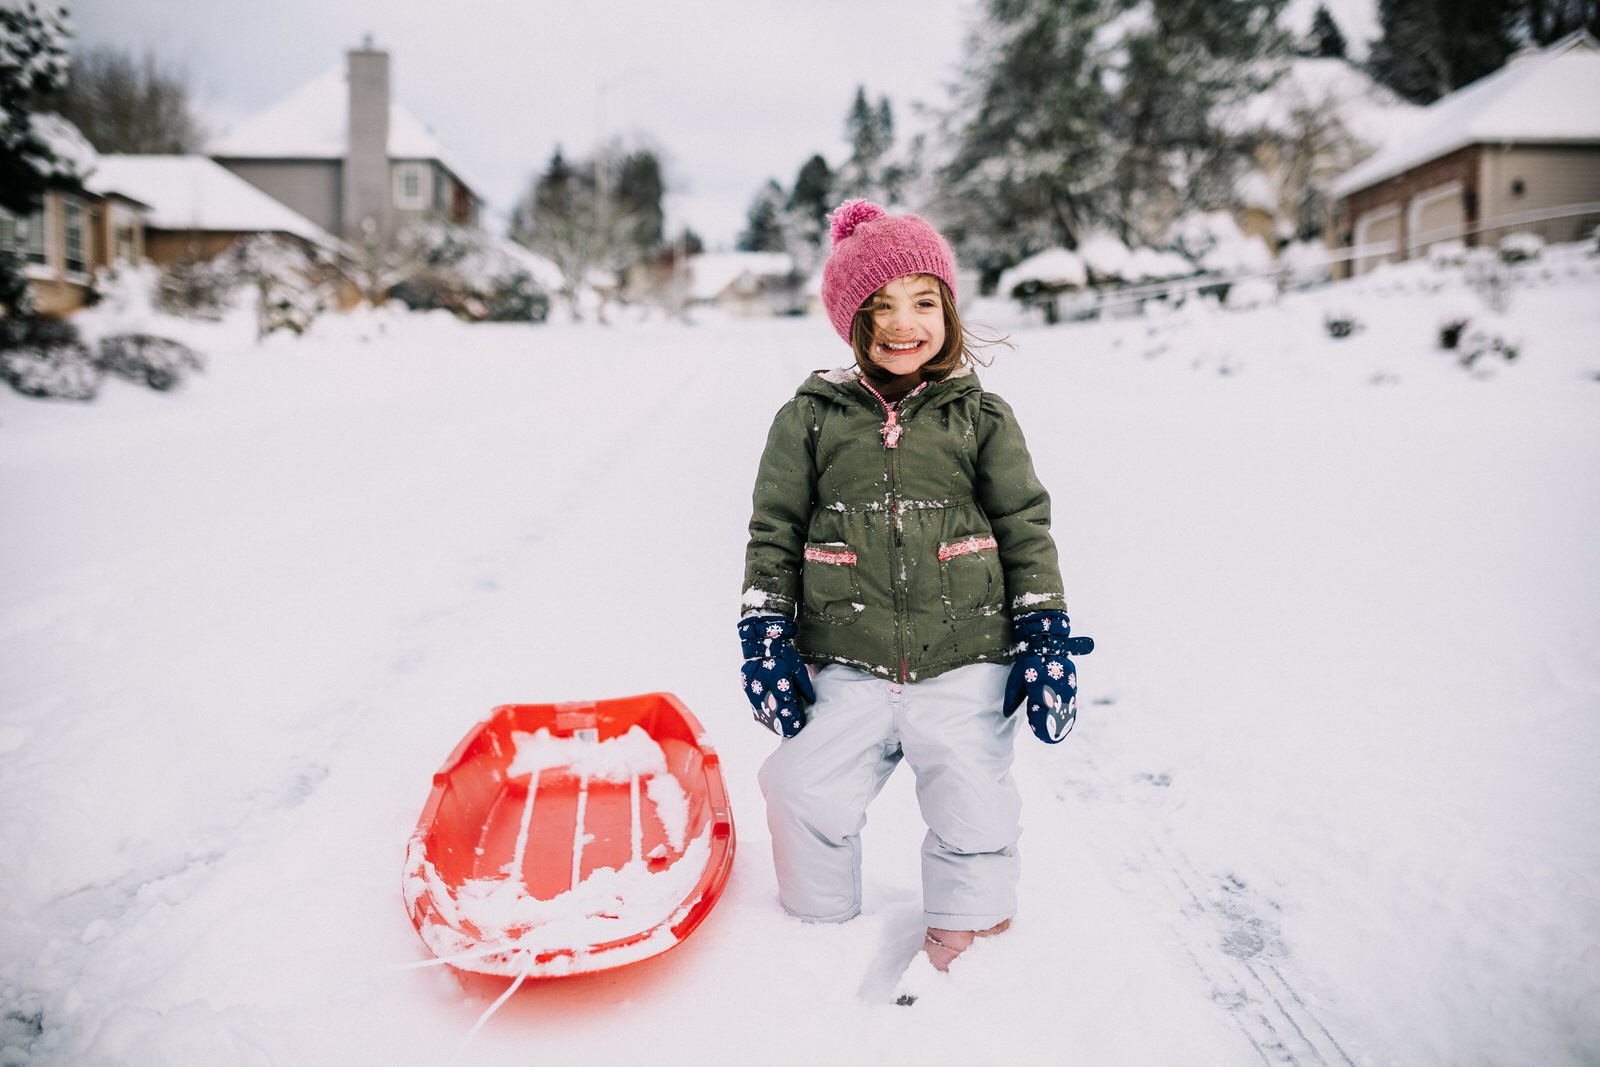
(951, 731)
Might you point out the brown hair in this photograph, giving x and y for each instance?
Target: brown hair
(960, 344)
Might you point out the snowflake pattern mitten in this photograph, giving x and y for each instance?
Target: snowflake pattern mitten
(776, 682)
(1044, 675)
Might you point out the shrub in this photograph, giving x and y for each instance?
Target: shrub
(1520, 247)
(194, 288)
(1480, 343)
(1340, 322)
(43, 357)
(1450, 331)
(467, 272)
(158, 362)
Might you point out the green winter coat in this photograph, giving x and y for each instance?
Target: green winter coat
(906, 561)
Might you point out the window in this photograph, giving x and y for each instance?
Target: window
(410, 186)
(124, 235)
(77, 238)
(24, 235)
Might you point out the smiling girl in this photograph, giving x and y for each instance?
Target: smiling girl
(902, 595)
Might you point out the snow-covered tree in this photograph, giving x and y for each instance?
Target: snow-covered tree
(33, 62)
(286, 281)
(126, 105)
(1080, 114)
(589, 227)
(1029, 131)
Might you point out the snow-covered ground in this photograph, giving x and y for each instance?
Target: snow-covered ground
(1332, 799)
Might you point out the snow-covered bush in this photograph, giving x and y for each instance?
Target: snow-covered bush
(1520, 247)
(1305, 263)
(1444, 255)
(1480, 342)
(1250, 293)
(158, 362)
(43, 357)
(468, 272)
(194, 288)
(287, 278)
(1487, 276)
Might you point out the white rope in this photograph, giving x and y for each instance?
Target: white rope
(487, 1014)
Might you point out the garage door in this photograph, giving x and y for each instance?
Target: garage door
(1377, 238)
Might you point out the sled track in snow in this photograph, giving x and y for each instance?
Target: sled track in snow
(1241, 971)
(1227, 931)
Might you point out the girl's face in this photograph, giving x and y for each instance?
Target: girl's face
(907, 324)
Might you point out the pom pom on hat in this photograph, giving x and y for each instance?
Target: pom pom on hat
(872, 248)
(850, 214)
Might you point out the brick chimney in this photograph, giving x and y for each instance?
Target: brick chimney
(367, 196)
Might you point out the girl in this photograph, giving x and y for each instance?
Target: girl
(899, 557)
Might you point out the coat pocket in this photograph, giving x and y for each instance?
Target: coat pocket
(970, 577)
(830, 588)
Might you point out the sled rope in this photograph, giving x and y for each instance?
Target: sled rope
(487, 1014)
(459, 957)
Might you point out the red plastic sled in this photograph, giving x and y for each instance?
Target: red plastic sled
(570, 838)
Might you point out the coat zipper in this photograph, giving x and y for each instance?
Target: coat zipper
(891, 434)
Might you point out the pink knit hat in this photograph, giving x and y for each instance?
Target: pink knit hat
(872, 248)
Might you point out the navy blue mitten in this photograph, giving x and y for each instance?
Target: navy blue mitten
(1044, 675)
(776, 682)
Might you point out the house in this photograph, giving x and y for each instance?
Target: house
(1518, 150)
(341, 153)
(745, 284)
(1321, 117)
(196, 209)
(81, 227)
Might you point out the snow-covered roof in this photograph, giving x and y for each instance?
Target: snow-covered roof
(1368, 111)
(712, 272)
(1054, 268)
(1545, 97)
(193, 192)
(313, 123)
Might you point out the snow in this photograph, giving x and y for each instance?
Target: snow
(72, 157)
(195, 193)
(1332, 781)
(1546, 97)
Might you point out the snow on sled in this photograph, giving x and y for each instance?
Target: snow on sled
(569, 838)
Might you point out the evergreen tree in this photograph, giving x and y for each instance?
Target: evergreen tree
(813, 195)
(870, 130)
(1546, 21)
(1030, 132)
(763, 231)
(1427, 48)
(33, 63)
(1325, 41)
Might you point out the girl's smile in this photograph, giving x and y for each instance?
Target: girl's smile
(907, 324)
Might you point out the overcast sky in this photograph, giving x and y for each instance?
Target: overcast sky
(730, 92)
